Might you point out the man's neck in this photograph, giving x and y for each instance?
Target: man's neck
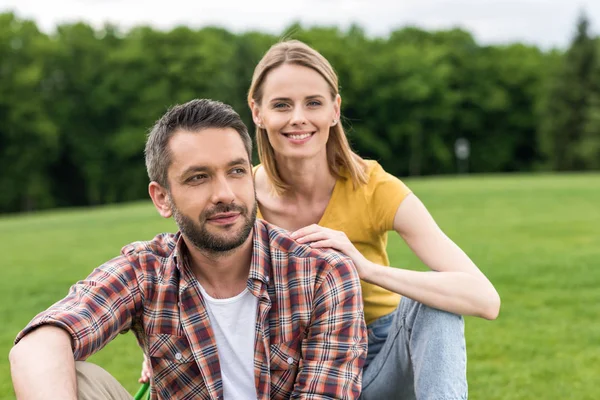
(221, 274)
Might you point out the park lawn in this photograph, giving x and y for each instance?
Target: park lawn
(537, 237)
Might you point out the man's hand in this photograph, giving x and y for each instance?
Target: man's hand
(146, 371)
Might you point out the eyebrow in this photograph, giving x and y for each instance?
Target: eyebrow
(237, 161)
(202, 168)
(314, 96)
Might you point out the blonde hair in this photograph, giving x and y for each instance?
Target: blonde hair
(339, 153)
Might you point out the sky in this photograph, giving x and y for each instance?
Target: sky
(545, 23)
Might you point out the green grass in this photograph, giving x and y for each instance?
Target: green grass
(536, 237)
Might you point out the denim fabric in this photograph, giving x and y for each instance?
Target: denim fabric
(416, 352)
(378, 331)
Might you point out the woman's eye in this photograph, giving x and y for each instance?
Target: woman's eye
(314, 103)
(280, 105)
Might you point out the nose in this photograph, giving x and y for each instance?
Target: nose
(222, 191)
(298, 117)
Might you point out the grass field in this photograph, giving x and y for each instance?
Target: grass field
(536, 237)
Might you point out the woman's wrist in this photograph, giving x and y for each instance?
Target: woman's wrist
(369, 271)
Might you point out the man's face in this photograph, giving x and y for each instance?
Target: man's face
(211, 188)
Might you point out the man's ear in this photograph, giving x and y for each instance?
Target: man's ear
(160, 198)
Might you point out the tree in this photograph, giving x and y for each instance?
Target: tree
(564, 119)
(589, 146)
(28, 135)
(75, 105)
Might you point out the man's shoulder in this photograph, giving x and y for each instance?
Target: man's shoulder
(281, 247)
(161, 246)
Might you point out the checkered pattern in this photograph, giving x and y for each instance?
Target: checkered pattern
(310, 336)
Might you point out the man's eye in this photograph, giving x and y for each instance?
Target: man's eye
(197, 178)
(238, 171)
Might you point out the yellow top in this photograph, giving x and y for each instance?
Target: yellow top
(366, 215)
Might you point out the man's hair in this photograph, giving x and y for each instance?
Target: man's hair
(192, 116)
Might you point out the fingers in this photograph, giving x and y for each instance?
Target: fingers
(307, 230)
(327, 243)
(313, 237)
(146, 371)
(145, 377)
(320, 237)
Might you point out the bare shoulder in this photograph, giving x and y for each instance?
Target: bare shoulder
(261, 181)
(264, 192)
(268, 201)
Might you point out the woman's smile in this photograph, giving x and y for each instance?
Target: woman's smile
(298, 137)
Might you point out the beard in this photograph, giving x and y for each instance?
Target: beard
(197, 233)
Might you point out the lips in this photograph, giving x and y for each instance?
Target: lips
(224, 218)
(298, 135)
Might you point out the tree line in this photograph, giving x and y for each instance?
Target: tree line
(76, 104)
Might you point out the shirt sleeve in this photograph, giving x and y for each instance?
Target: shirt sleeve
(96, 309)
(334, 351)
(387, 193)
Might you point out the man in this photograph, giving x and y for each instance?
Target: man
(229, 307)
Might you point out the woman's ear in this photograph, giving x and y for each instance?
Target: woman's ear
(337, 107)
(256, 113)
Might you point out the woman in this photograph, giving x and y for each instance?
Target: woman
(311, 182)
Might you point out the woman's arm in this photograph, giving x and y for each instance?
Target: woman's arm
(458, 287)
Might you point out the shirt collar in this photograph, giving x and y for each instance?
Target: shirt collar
(260, 265)
(178, 256)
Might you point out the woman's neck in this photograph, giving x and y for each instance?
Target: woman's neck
(309, 179)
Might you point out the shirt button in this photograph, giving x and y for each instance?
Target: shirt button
(178, 304)
(178, 356)
(267, 279)
(290, 360)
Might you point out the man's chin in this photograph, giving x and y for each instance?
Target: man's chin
(224, 230)
(224, 245)
(229, 237)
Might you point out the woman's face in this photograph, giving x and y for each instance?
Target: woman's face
(297, 111)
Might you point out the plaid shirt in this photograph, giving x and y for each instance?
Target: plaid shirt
(310, 336)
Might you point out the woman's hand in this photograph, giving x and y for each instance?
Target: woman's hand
(319, 237)
(146, 371)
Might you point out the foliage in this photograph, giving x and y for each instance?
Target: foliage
(75, 105)
(570, 133)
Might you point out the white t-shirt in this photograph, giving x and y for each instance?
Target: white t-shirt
(233, 322)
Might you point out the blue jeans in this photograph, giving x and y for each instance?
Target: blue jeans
(416, 352)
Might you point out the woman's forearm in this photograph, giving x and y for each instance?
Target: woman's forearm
(456, 292)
